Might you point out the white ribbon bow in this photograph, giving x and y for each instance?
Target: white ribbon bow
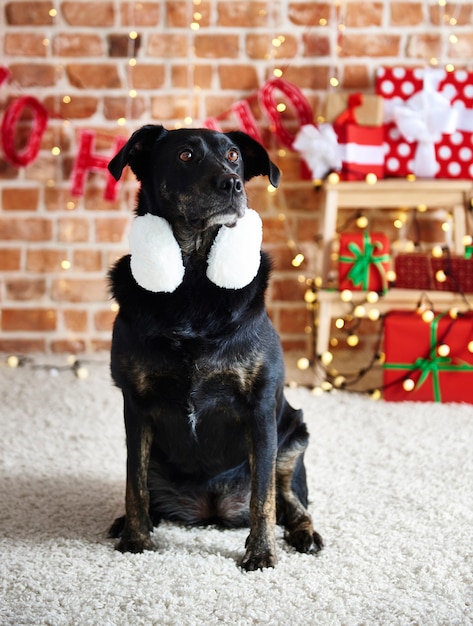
(319, 148)
(424, 118)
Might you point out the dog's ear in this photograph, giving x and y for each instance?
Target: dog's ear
(255, 158)
(137, 151)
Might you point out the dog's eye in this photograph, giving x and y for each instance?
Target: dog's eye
(186, 156)
(233, 156)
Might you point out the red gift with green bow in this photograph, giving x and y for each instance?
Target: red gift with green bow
(363, 261)
(436, 356)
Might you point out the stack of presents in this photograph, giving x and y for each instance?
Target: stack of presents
(419, 122)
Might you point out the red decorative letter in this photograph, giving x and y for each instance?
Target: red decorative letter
(10, 120)
(212, 124)
(247, 120)
(87, 161)
(4, 74)
(297, 99)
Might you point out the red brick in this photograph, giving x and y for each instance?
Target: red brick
(73, 229)
(69, 44)
(305, 77)
(87, 260)
(95, 76)
(260, 47)
(463, 49)
(140, 13)
(178, 14)
(316, 45)
(26, 13)
(78, 290)
(29, 75)
(309, 13)
(216, 46)
(100, 345)
(122, 45)
(79, 107)
(16, 199)
(424, 46)
(22, 346)
(111, 229)
(294, 319)
(373, 45)
(46, 260)
(361, 14)
(29, 319)
(243, 77)
(31, 229)
(287, 290)
(68, 346)
(79, 13)
(25, 289)
(168, 45)
(103, 320)
(241, 14)
(356, 77)
(25, 45)
(406, 13)
(147, 76)
(202, 76)
(10, 259)
(463, 13)
(121, 106)
(75, 320)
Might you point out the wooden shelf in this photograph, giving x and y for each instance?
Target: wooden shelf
(387, 194)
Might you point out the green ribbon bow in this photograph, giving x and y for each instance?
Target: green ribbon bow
(362, 259)
(433, 364)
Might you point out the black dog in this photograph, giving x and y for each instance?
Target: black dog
(211, 438)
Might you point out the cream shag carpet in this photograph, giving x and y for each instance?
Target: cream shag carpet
(391, 489)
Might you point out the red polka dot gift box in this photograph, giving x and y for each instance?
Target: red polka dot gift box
(428, 115)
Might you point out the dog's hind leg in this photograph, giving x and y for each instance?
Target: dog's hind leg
(135, 534)
(291, 492)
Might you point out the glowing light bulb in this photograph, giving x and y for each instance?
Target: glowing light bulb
(359, 311)
(13, 361)
(428, 316)
(372, 297)
(371, 179)
(333, 178)
(353, 340)
(310, 296)
(326, 358)
(297, 260)
(346, 295)
(470, 346)
(440, 276)
(437, 252)
(375, 394)
(443, 350)
(362, 221)
(303, 363)
(339, 323)
(408, 384)
(339, 381)
(374, 314)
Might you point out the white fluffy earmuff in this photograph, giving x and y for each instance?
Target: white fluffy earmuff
(156, 258)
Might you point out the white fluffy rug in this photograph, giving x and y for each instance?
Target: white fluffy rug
(391, 489)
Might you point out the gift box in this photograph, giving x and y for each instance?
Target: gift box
(428, 361)
(367, 108)
(456, 273)
(363, 261)
(428, 116)
(361, 147)
(414, 271)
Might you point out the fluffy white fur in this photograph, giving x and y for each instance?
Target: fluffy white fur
(235, 255)
(156, 258)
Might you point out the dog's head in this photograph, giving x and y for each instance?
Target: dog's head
(194, 175)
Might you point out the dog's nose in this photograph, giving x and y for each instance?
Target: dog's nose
(229, 183)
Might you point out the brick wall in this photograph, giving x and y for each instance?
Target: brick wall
(78, 59)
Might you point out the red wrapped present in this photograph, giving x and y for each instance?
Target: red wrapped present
(428, 361)
(428, 121)
(456, 273)
(414, 271)
(363, 261)
(361, 147)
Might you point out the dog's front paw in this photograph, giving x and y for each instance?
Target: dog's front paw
(134, 544)
(305, 539)
(259, 555)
